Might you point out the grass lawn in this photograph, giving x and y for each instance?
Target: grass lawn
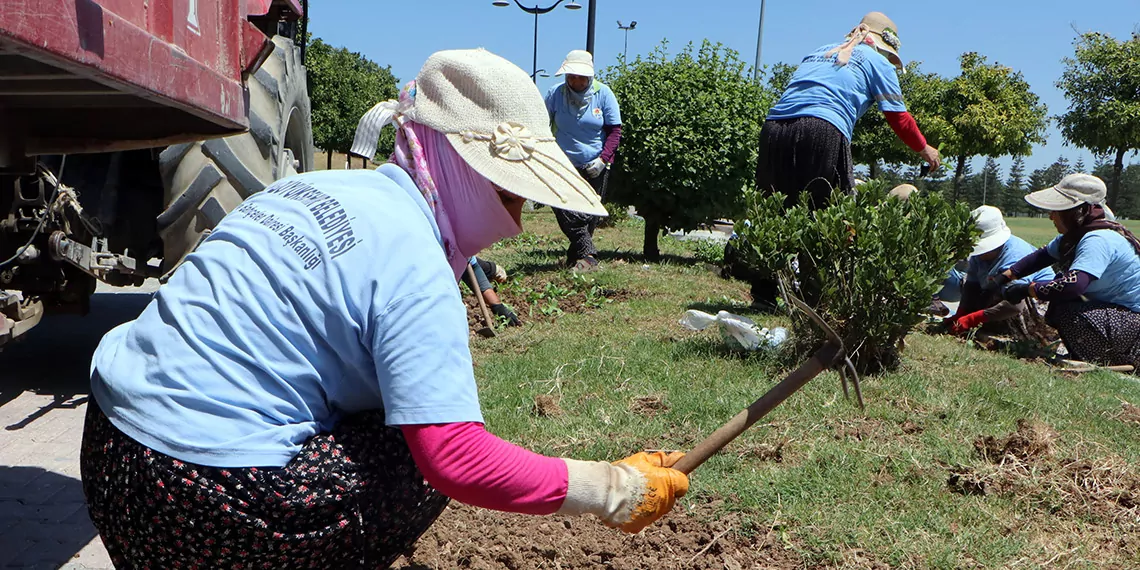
(1039, 231)
(902, 483)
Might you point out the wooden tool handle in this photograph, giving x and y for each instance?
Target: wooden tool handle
(823, 359)
(479, 296)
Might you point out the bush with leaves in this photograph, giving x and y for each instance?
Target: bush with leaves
(869, 263)
(690, 130)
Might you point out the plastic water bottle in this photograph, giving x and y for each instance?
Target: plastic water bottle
(777, 336)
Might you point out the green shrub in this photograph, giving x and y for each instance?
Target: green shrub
(868, 263)
(690, 129)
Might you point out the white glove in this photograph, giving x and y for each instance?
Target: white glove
(594, 168)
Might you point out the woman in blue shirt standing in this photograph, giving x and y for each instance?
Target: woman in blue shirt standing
(1094, 301)
(805, 143)
(587, 125)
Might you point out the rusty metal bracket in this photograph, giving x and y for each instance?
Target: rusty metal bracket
(17, 316)
(95, 260)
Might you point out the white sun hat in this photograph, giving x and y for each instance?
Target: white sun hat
(496, 120)
(1072, 191)
(578, 62)
(994, 230)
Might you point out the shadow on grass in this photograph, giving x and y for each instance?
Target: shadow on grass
(710, 345)
(741, 309)
(541, 263)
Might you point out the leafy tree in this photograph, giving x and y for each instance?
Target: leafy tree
(1102, 84)
(1013, 201)
(993, 113)
(1038, 179)
(778, 79)
(690, 129)
(989, 187)
(875, 141)
(344, 85)
(1056, 171)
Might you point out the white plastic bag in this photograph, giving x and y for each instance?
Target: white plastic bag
(735, 329)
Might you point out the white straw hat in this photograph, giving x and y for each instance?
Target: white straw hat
(903, 191)
(496, 119)
(578, 62)
(885, 34)
(994, 230)
(1072, 191)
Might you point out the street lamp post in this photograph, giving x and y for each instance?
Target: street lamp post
(538, 11)
(759, 42)
(590, 20)
(632, 25)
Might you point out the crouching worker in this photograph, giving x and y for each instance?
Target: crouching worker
(1094, 301)
(981, 294)
(311, 403)
(481, 268)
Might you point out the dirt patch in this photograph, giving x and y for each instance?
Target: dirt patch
(546, 406)
(909, 427)
(1129, 413)
(648, 406)
(759, 452)
(1025, 464)
(1032, 440)
(466, 537)
(860, 429)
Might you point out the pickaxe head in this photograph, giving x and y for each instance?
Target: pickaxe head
(844, 362)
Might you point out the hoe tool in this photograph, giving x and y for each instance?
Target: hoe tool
(828, 355)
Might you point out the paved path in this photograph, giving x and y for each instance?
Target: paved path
(43, 396)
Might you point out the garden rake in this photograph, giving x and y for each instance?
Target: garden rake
(828, 355)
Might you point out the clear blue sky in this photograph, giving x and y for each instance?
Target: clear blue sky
(1030, 36)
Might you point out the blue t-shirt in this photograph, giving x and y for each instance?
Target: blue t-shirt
(324, 295)
(840, 94)
(582, 138)
(1109, 257)
(1013, 251)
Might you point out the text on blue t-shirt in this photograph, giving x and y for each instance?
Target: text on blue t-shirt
(840, 94)
(324, 295)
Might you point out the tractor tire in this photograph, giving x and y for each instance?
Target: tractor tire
(205, 180)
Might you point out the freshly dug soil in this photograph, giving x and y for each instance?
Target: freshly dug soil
(466, 537)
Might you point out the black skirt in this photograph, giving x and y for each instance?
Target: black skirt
(803, 154)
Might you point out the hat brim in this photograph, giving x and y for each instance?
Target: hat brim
(888, 52)
(1052, 200)
(547, 177)
(576, 68)
(988, 244)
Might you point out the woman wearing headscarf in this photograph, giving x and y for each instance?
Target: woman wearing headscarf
(805, 143)
(300, 393)
(1094, 300)
(587, 125)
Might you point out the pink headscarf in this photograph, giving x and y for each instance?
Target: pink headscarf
(467, 207)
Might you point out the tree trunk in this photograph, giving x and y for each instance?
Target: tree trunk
(875, 171)
(328, 159)
(652, 232)
(959, 174)
(1114, 188)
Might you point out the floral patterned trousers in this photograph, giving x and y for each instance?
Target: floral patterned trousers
(350, 499)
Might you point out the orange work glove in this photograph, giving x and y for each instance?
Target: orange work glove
(629, 494)
(663, 486)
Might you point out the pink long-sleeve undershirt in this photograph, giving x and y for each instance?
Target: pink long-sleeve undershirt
(469, 464)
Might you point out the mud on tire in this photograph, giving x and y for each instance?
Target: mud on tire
(204, 180)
